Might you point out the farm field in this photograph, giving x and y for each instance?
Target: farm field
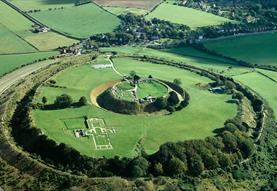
(42, 4)
(151, 130)
(263, 86)
(189, 56)
(11, 43)
(256, 49)
(13, 61)
(142, 4)
(16, 35)
(186, 16)
(79, 21)
(49, 41)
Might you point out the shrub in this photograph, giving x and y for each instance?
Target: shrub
(63, 101)
(82, 101)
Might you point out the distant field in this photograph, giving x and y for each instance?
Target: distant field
(123, 10)
(11, 43)
(189, 56)
(16, 35)
(79, 21)
(11, 62)
(42, 4)
(256, 49)
(49, 41)
(142, 4)
(13, 20)
(186, 16)
(206, 111)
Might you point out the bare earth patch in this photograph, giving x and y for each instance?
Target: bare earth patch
(142, 4)
(100, 89)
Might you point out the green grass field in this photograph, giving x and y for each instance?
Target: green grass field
(205, 113)
(186, 16)
(49, 41)
(79, 21)
(16, 35)
(11, 62)
(263, 86)
(256, 49)
(152, 88)
(189, 56)
(42, 4)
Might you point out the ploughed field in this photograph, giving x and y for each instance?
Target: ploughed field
(205, 113)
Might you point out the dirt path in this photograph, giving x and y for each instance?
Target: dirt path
(19, 74)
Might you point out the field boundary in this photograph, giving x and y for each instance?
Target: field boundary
(36, 21)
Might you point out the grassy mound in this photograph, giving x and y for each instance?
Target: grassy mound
(256, 49)
(205, 113)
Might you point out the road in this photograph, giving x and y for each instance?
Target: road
(19, 74)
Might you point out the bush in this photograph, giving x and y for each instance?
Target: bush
(63, 101)
(82, 101)
(173, 99)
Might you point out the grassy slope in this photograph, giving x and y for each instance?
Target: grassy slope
(187, 16)
(81, 21)
(257, 49)
(42, 4)
(203, 112)
(262, 85)
(11, 62)
(189, 56)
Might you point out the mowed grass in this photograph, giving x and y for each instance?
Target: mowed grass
(151, 88)
(79, 21)
(186, 16)
(189, 56)
(256, 49)
(263, 86)
(11, 62)
(42, 4)
(205, 113)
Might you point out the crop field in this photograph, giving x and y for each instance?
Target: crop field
(79, 21)
(11, 43)
(42, 4)
(49, 41)
(142, 4)
(13, 61)
(256, 49)
(16, 35)
(186, 16)
(206, 110)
